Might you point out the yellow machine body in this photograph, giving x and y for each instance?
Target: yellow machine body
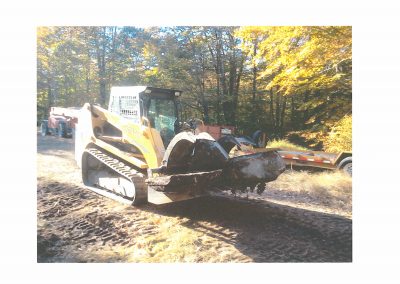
(137, 151)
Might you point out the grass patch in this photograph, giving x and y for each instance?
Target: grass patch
(173, 243)
(285, 144)
(330, 188)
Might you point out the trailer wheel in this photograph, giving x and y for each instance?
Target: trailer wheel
(43, 128)
(62, 130)
(347, 166)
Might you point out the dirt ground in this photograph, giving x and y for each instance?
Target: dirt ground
(76, 225)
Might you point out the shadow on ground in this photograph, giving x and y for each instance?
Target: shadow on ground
(268, 232)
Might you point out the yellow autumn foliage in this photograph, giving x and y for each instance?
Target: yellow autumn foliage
(299, 57)
(285, 144)
(340, 136)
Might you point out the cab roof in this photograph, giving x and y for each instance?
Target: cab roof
(146, 90)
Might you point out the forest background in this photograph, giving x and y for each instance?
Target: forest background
(291, 82)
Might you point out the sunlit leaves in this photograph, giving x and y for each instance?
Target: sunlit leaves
(340, 136)
(298, 56)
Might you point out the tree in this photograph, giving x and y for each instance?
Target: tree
(312, 64)
(277, 79)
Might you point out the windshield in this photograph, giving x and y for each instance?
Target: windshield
(162, 116)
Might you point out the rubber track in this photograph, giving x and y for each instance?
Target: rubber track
(120, 167)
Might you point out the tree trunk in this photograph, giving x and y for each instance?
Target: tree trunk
(271, 107)
(305, 112)
(218, 106)
(101, 64)
(204, 103)
(112, 57)
(49, 98)
(230, 87)
(277, 113)
(221, 73)
(216, 68)
(87, 65)
(238, 78)
(282, 115)
(292, 112)
(254, 112)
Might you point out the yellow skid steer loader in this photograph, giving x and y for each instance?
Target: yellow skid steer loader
(138, 151)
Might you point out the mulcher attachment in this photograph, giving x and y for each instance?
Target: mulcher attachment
(253, 169)
(188, 152)
(198, 161)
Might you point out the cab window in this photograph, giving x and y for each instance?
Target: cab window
(162, 116)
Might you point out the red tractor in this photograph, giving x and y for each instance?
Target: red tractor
(61, 122)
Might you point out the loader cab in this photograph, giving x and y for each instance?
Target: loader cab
(160, 107)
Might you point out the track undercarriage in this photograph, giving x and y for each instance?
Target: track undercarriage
(111, 177)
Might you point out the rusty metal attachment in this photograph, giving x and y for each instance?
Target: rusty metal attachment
(198, 160)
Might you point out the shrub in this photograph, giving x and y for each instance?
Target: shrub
(340, 136)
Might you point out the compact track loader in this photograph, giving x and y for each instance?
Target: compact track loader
(138, 151)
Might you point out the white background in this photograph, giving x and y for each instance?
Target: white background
(376, 72)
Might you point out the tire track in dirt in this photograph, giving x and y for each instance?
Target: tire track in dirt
(80, 218)
(264, 232)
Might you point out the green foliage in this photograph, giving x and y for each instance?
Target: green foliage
(285, 144)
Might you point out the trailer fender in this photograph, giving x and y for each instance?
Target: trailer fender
(346, 165)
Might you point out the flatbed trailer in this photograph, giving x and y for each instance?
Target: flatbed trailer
(304, 159)
(292, 158)
(317, 159)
